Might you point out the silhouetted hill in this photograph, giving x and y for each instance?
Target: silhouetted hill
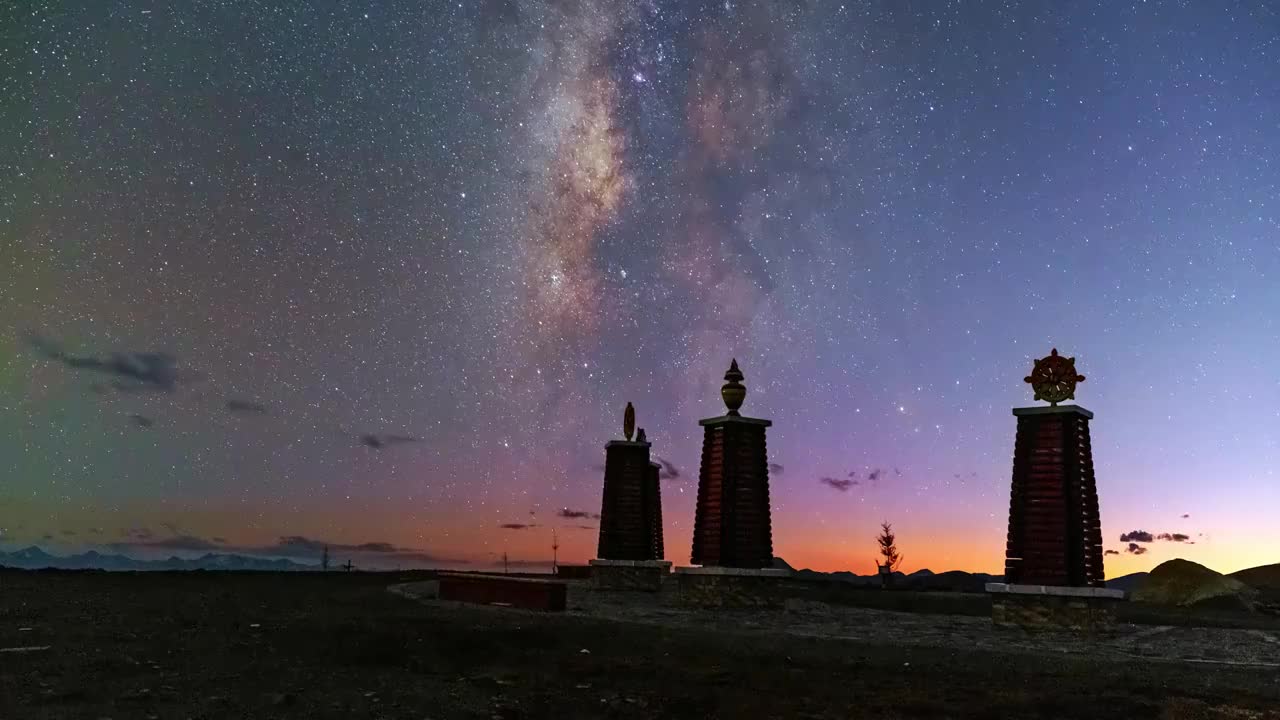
(1265, 578)
(1182, 582)
(33, 558)
(1127, 582)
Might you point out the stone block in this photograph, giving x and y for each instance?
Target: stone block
(641, 575)
(1054, 608)
(728, 588)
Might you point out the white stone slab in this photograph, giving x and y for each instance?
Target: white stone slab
(739, 572)
(1056, 590)
(661, 564)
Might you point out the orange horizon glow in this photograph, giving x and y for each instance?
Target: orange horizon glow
(456, 538)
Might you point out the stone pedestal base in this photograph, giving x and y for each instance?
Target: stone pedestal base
(721, 587)
(1047, 607)
(644, 575)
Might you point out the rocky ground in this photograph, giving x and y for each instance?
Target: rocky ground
(1164, 643)
(213, 645)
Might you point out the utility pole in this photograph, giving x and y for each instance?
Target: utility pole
(555, 550)
(505, 570)
(324, 559)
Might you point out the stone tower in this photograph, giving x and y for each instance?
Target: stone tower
(732, 521)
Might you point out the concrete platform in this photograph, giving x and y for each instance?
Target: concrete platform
(641, 575)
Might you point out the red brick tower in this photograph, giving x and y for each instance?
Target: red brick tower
(653, 503)
(631, 507)
(732, 524)
(1055, 537)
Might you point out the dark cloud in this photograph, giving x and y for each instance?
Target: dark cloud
(841, 484)
(853, 474)
(1186, 515)
(176, 542)
(585, 527)
(139, 371)
(137, 534)
(1111, 552)
(1135, 549)
(875, 475)
(576, 514)
(142, 420)
(1142, 536)
(775, 469)
(245, 407)
(517, 526)
(667, 471)
(378, 442)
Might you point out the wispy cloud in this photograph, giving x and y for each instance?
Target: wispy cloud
(576, 514)
(1135, 549)
(1141, 536)
(668, 470)
(378, 442)
(841, 484)
(246, 407)
(775, 469)
(134, 371)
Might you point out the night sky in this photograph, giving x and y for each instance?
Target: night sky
(384, 275)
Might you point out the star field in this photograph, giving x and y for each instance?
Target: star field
(410, 261)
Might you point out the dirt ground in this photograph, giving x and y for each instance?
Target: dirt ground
(213, 645)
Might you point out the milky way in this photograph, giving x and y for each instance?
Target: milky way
(420, 255)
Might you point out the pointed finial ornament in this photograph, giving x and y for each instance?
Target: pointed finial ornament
(640, 437)
(1054, 378)
(733, 392)
(628, 422)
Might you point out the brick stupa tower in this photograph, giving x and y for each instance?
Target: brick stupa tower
(653, 501)
(1055, 538)
(631, 510)
(732, 526)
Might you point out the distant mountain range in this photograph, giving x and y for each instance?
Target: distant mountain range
(33, 558)
(952, 580)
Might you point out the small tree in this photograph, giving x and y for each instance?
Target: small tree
(888, 550)
(324, 559)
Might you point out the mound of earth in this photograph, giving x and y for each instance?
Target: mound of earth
(1265, 578)
(1182, 582)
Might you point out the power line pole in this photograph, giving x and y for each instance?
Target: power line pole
(505, 570)
(555, 552)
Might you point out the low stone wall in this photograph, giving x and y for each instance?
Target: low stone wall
(1049, 608)
(573, 572)
(502, 590)
(732, 588)
(644, 576)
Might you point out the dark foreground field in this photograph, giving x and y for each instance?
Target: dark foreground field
(208, 645)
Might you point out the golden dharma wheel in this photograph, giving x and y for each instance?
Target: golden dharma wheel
(1054, 378)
